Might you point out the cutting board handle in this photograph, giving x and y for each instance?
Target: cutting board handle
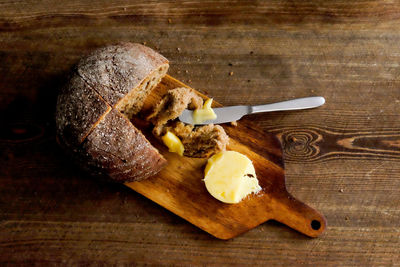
(297, 215)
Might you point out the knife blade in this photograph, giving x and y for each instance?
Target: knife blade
(234, 113)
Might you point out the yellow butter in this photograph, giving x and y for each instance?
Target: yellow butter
(230, 176)
(173, 143)
(205, 113)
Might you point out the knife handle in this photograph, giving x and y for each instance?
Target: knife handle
(294, 104)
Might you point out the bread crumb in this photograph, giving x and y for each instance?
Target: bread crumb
(169, 21)
(186, 71)
(178, 71)
(144, 43)
(341, 190)
(234, 123)
(189, 81)
(179, 49)
(346, 218)
(231, 73)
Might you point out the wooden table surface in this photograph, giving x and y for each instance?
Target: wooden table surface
(342, 159)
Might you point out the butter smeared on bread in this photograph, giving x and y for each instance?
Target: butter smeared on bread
(198, 142)
(172, 105)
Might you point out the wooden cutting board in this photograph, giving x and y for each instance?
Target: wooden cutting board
(179, 186)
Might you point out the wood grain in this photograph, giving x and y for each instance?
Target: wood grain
(346, 51)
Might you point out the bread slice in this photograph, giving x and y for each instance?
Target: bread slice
(105, 89)
(199, 142)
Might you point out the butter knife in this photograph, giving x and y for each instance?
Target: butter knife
(234, 113)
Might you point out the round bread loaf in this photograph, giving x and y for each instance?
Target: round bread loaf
(94, 109)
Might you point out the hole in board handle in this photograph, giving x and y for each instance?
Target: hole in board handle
(315, 225)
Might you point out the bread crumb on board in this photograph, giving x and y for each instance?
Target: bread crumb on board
(234, 123)
(231, 73)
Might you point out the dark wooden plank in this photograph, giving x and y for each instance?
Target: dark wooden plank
(51, 212)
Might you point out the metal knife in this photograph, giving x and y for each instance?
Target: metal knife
(234, 113)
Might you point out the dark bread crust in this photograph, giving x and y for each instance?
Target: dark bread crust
(115, 70)
(78, 110)
(116, 148)
(96, 135)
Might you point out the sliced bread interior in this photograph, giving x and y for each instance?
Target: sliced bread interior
(132, 103)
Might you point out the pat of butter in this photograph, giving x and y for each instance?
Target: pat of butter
(205, 113)
(173, 143)
(230, 176)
